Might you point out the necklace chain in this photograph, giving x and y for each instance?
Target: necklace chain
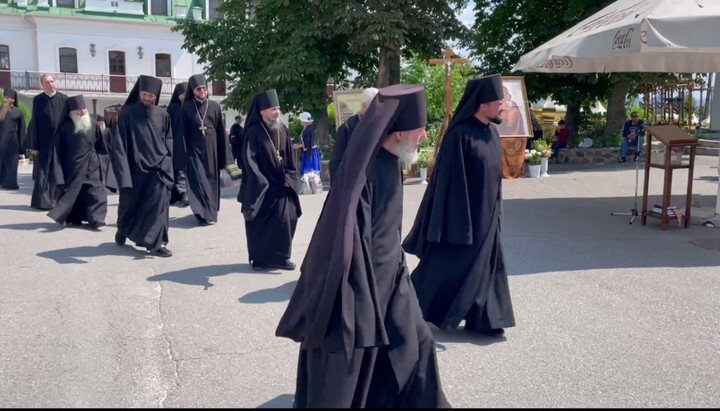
(277, 150)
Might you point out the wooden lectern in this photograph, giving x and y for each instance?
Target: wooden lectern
(671, 137)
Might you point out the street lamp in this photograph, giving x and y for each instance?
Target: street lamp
(92, 49)
(140, 52)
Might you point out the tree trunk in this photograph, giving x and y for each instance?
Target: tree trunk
(616, 112)
(389, 67)
(322, 134)
(572, 122)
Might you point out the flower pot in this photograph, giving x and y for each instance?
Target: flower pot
(423, 176)
(534, 171)
(544, 167)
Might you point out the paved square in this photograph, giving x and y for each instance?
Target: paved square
(608, 314)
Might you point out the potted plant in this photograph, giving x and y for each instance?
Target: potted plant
(533, 160)
(422, 164)
(542, 147)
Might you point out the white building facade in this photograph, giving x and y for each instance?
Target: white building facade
(98, 48)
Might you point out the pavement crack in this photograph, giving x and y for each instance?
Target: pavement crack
(169, 346)
(233, 353)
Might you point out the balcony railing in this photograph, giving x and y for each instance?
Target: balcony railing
(89, 83)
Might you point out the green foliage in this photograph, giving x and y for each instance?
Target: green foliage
(423, 159)
(533, 157)
(295, 46)
(507, 29)
(419, 71)
(331, 121)
(543, 148)
(295, 129)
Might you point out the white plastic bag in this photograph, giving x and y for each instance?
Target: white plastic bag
(315, 183)
(305, 187)
(226, 182)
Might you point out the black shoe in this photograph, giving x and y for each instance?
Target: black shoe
(119, 239)
(622, 160)
(97, 224)
(635, 158)
(202, 222)
(162, 252)
(488, 332)
(258, 267)
(184, 202)
(285, 265)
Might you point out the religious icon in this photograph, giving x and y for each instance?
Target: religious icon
(516, 109)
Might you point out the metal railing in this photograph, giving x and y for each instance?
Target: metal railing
(84, 83)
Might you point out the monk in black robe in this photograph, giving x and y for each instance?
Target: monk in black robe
(456, 235)
(142, 159)
(236, 141)
(77, 165)
(12, 139)
(208, 150)
(346, 130)
(268, 192)
(364, 343)
(47, 110)
(179, 194)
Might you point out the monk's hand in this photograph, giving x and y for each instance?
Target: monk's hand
(233, 171)
(35, 152)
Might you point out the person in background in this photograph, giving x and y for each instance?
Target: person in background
(236, 140)
(46, 116)
(12, 139)
(633, 133)
(561, 139)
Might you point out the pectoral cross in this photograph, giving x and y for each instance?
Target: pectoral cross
(202, 129)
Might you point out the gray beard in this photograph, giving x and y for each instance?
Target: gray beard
(273, 124)
(82, 123)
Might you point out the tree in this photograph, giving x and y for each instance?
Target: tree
(295, 46)
(418, 71)
(507, 29)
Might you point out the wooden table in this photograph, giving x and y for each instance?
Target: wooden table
(671, 137)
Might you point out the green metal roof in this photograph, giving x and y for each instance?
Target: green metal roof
(80, 13)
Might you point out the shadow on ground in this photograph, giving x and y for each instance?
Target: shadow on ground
(74, 255)
(42, 227)
(461, 336)
(200, 276)
(573, 234)
(270, 295)
(281, 401)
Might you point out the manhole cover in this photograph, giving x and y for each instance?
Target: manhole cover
(707, 243)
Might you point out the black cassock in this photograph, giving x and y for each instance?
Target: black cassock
(393, 363)
(12, 144)
(341, 143)
(46, 117)
(270, 209)
(461, 274)
(236, 143)
(207, 154)
(77, 167)
(179, 155)
(142, 159)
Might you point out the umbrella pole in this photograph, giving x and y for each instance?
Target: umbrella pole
(634, 211)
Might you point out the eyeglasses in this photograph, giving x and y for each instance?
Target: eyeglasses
(635, 116)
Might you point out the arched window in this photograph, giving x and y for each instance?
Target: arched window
(163, 66)
(68, 60)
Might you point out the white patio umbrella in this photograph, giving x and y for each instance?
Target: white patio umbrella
(660, 36)
(666, 36)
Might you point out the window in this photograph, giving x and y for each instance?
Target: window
(163, 68)
(214, 13)
(65, 3)
(159, 7)
(68, 60)
(4, 57)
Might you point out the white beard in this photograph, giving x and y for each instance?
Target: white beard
(407, 151)
(82, 123)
